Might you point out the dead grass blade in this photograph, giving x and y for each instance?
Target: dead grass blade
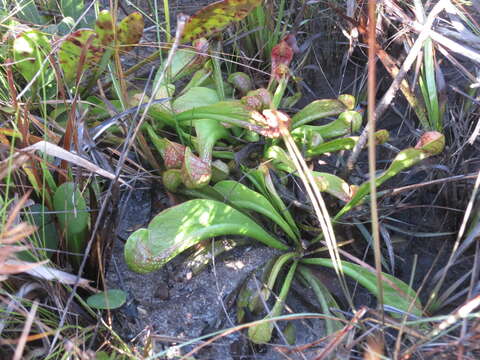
(57, 151)
(12, 234)
(26, 330)
(51, 274)
(333, 344)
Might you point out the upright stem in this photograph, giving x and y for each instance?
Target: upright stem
(372, 84)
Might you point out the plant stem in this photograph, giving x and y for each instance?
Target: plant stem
(372, 83)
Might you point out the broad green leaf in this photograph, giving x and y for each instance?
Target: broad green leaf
(194, 98)
(110, 299)
(318, 109)
(183, 226)
(185, 61)
(72, 8)
(242, 197)
(72, 215)
(30, 49)
(64, 27)
(208, 133)
(130, 30)
(225, 111)
(28, 11)
(399, 296)
(216, 16)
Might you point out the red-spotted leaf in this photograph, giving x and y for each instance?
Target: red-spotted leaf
(217, 16)
(104, 28)
(130, 30)
(71, 51)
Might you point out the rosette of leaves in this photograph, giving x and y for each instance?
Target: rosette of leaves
(181, 227)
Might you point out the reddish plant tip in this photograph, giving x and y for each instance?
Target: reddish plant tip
(201, 45)
(431, 142)
(282, 55)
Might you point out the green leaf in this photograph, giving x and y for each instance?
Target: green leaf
(110, 299)
(325, 298)
(263, 182)
(400, 295)
(29, 12)
(430, 144)
(46, 236)
(72, 8)
(262, 333)
(72, 215)
(224, 111)
(183, 226)
(216, 16)
(194, 98)
(318, 109)
(346, 123)
(326, 182)
(242, 197)
(345, 143)
(30, 49)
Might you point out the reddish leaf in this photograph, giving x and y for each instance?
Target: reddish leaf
(173, 155)
(196, 173)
